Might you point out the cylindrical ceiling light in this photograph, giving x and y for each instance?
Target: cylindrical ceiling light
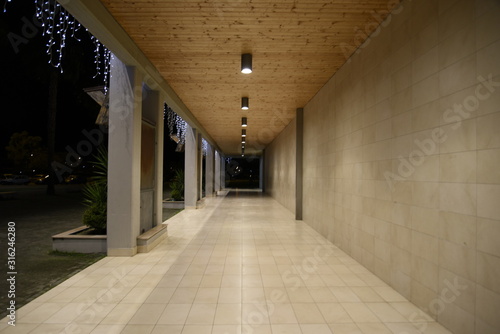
(244, 103)
(243, 140)
(244, 122)
(243, 133)
(246, 63)
(242, 152)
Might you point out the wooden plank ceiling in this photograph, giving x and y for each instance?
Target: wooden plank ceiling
(296, 46)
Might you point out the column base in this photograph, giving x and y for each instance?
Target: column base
(122, 251)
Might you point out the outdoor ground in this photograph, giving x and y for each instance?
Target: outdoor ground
(37, 217)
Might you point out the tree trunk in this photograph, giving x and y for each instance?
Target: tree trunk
(51, 129)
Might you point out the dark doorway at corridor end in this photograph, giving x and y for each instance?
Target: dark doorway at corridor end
(243, 173)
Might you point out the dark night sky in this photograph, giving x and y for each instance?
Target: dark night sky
(24, 86)
(24, 82)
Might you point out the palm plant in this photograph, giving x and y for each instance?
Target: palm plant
(177, 185)
(96, 194)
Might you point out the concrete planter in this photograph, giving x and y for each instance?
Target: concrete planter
(71, 241)
(173, 204)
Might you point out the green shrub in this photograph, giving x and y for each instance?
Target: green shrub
(95, 217)
(177, 185)
(96, 194)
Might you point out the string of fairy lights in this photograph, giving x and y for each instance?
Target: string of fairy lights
(176, 125)
(102, 61)
(177, 128)
(204, 146)
(57, 25)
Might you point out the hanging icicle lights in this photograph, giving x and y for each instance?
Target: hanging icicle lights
(57, 25)
(176, 125)
(204, 147)
(103, 60)
(5, 5)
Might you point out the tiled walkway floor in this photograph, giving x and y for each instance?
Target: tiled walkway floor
(242, 264)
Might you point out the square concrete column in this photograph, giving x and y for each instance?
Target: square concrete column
(299, 154)
(152, 112)
(217, 160)
(222, 172)
(209, 171)
(191, 172)
(200, 165)
(160, 134)
(124, 159)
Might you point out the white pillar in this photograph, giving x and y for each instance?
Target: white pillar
(299, 154)
(209, 171)
(191, 169)
(160, 132)
(124, 168)
(222, 172)
(200, 166)
(217, 177)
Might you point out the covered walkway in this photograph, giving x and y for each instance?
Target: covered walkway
(241, 264)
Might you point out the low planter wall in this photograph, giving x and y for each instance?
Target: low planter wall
(173, 204)
(72, 241)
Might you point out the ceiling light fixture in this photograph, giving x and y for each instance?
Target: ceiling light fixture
(246, 63)
(244, 103)
(244, 122)
(243, 133)
(243, 140)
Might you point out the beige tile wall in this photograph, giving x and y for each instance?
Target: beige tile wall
(279, 162)
(402, 159)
